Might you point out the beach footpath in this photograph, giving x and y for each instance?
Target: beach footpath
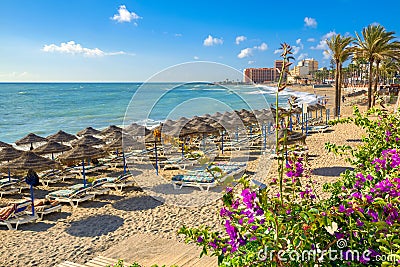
(148, 249)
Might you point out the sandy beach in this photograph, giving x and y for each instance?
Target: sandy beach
(119, 225)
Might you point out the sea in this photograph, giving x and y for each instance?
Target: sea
(45, 108)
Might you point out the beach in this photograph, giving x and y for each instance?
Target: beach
(120, 224)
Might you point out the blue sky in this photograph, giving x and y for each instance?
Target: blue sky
(91, 40)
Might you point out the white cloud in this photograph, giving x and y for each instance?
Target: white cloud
(240, 39)
(73, 48)
(311, 40)
(322, 43)
(296, 50)
(196, 58)
(250, 62)
(310, 22)
(261, 47)
(210, 41)
(245, 53)
(302, 56)
(178, 35)
(277, 51)
(124, 15)
(298, 41)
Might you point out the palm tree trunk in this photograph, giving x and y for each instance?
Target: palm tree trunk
(340, 87)
(371, 62)
(376, 82)
(337, 99)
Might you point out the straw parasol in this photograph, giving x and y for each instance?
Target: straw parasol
(30, 160)
(88, 140)
(137, 130)
(61, 136)
(111, 129)
(2, 144)
(9, 153)
(114, 145)
(88, 131)
(82, 152)
(51, 147)
(30, 139)
(113, 136)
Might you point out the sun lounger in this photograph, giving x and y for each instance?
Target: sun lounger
(204, 180)
(45, 206)
(16, 214)
(118, 183)
(71, 195)
(318, 128)
(50, 178)
(98, 187)
(8, 187)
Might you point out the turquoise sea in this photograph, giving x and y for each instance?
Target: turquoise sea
(45, 108)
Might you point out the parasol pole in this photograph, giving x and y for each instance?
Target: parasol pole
(83, 172)
(9, 175)
(32, 199)
(123, 159)
(222, 143)
(156, 154)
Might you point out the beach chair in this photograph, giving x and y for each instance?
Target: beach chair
(204, 180)
(45, 206)
(16, 214)
(71, 195)
(98, 187)
(118, 183)
(8, 187)
(318, 128)
(201, 180)
(50, 178)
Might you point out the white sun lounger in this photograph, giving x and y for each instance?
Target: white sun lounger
(7, 187)
(119, 183)
(204, 180)
(71, 196)
(18, 216)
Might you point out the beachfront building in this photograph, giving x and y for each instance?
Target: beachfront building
(304, 71)
(262, 75)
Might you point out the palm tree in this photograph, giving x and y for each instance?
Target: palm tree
(376, 44)
(340, 52)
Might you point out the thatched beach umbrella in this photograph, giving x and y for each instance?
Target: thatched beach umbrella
(30, 139)
(7, 154)
(82, 152)
(51, 147)
(137, 130)
(31, 161)
(113, 136)
(88, 131)
(61, 137)
(88, 140)
(111, 129)
(2, 144)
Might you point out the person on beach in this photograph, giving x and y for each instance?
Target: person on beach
(343, 98)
